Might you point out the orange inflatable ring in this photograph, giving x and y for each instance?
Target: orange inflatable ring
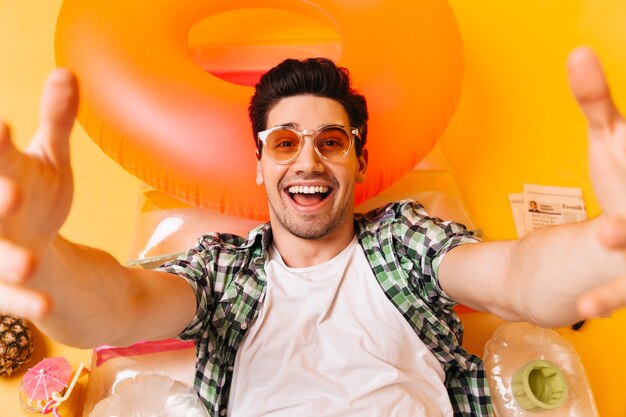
(154, 109)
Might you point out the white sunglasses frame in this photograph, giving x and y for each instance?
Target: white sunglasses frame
(352, 132)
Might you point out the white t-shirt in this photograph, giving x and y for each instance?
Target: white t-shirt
(328, 342)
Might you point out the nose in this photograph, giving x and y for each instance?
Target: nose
(308, 160)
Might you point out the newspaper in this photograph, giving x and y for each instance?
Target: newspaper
(540, 206)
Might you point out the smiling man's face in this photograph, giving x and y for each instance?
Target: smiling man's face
(310, 198)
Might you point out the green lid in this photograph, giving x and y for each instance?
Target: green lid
(539, 385)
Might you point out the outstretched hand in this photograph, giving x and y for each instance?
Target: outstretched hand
(35, 195)
(607, 166)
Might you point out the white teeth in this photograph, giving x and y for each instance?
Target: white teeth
(302, 189)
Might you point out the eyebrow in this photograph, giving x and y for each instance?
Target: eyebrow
(292, 125)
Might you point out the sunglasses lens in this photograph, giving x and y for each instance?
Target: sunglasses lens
(333, 143)
(282, 145)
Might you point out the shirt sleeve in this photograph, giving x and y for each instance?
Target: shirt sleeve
(424, 241)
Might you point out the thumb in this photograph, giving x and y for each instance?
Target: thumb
(591, 90)
(58, 108)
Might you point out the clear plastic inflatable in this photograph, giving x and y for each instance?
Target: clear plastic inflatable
(535, 370)
(151, 395)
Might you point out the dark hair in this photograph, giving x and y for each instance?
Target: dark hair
(315, 76)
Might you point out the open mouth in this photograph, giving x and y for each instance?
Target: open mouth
(308, 195)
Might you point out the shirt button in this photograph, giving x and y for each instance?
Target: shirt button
(223, 412)
(244, 325)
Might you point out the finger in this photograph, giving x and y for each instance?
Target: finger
(17, 264)
(9, 196)
(603, 300)
(8, 152)
(59, 105)
(612, 232)
(24, 302)
(589, 86)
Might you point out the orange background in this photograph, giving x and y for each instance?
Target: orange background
(516, 123)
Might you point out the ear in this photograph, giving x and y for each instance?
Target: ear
(362, 161)
(259, 173)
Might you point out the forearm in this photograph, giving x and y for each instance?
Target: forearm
(550, 269)
(95, 300)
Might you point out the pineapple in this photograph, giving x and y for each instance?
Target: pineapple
(16, 344)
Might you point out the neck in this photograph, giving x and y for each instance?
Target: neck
(297, 252)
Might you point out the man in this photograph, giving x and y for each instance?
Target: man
(323, 312)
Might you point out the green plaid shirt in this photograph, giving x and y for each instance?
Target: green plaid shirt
(404, 247)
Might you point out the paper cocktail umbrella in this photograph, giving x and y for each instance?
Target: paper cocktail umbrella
(47, 377)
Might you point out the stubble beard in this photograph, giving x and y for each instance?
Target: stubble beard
(313, 226)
